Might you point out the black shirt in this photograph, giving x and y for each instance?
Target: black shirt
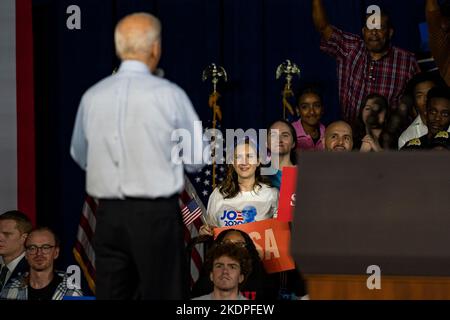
(422, 143)
(45, 293)
(441, 139)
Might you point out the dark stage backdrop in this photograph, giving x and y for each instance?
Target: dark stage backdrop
(250, 38)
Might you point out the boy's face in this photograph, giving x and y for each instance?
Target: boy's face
(438, 115)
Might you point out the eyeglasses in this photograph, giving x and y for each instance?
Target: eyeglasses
(45, 249)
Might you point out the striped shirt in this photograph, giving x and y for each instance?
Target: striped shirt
(360, 76)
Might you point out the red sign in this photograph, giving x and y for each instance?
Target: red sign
(286, 204)
(271, 238)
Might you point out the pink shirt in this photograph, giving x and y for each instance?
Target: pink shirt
(304, 140)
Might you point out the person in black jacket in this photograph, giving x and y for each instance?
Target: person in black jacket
(14, 229)
(438, 119)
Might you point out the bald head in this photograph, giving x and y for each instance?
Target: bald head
(137, 37)
(339, 137)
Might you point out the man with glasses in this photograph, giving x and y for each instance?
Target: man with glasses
(14, 229)
(42, 282)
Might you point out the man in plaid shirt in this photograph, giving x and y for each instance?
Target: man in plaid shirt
(367, 64)
(41, 282)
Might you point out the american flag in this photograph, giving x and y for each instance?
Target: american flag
(83, 249)
(198, 187)
(202, 180)
(190, 212)
(191, 230)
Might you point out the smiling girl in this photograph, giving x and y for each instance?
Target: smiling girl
(310, 132)
(243, 191)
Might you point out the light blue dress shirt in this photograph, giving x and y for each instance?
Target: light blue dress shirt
(123, 135)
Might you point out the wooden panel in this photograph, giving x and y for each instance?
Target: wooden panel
(349, 287)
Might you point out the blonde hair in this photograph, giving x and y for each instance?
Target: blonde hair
(137, 40)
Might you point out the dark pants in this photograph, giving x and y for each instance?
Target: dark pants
(139, 250)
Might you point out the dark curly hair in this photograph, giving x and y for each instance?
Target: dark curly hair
(249, 244)
(233, 251)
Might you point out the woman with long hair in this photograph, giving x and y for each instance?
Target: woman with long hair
(244, 195)
(370, 123)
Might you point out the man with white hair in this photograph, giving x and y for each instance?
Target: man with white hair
(123, 139)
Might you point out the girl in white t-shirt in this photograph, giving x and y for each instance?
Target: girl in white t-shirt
(244, 196)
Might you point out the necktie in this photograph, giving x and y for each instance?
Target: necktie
(3, 274)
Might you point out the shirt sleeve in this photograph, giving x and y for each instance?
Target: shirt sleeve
(340, 43)
(79, 143)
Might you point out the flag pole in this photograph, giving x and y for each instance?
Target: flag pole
(289, 70)
(215, 73)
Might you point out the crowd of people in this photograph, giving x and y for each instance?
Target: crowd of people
(122, 139)
(27, 262)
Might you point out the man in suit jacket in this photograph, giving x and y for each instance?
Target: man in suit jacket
(14, 229)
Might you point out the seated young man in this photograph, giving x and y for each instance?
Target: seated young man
(42, 282)
(229, 266)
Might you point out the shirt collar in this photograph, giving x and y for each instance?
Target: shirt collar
(13, 264)
(301, 132)
(388, 52)
(133, 66)
(418, 121)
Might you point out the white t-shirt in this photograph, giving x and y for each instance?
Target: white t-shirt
(248, 206)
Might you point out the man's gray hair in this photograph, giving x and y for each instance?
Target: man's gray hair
(137, 41)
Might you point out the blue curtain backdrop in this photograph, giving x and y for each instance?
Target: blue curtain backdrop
(250, 38)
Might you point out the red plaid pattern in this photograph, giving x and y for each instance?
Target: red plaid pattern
(360, 76)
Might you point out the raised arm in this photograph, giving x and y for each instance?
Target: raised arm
(320, 20)
(431, 5)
